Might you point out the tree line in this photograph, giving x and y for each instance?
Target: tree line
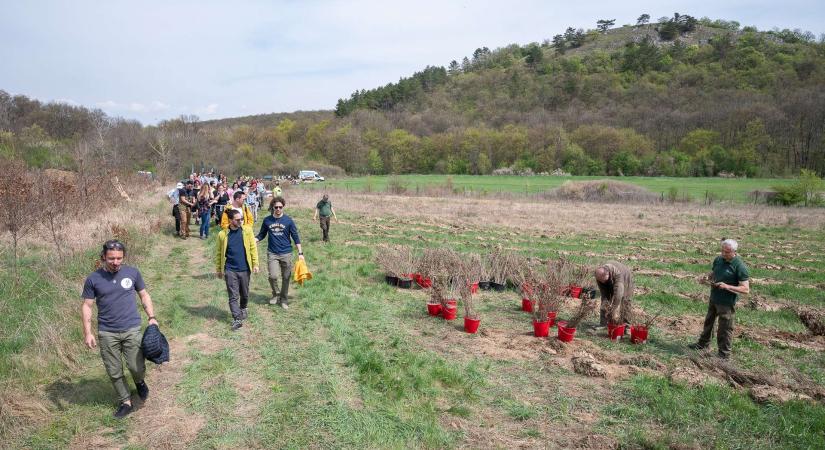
(622, 101)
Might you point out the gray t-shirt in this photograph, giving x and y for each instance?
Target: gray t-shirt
(115, 296)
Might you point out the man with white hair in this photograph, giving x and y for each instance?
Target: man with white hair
(728, 278)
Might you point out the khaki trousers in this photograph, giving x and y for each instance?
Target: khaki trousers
(114, 348)
(279, 265)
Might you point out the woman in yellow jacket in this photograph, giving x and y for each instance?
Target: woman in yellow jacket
(238, 203)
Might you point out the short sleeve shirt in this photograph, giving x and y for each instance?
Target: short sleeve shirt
(114, 294)
(324, 208)
(729, 272)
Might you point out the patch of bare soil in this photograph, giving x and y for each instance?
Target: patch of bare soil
(585, 364)
(161, 422)
(508, 345)
(784, 339)
(692, 376)
(773, 394)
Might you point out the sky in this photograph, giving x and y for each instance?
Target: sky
(154, 60)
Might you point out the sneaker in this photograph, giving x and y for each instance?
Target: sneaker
(142, 390)
(236, 324)
(275, 301)
(123, 410)
(284, 306)
(244, 314)
(696, 346)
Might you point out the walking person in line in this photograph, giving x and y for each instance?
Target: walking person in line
(187, 201)
(222, 198)
(112, 288)
(205, 203)
(238, 204)
(252, 203)
(324, 209)
(728, 278)
(281, 231)
(174, 200)
(236, 255)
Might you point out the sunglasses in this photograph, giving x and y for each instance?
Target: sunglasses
(277, 207)
(113, 246)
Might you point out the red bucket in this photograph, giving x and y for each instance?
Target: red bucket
(474, 288)
(566, 334)
(449, 313)
(575, 291)
(421, 281)
(434, 309)
(541, 329)
(615, 332)
(526, 305)
(452, 303)
(638, 334)
(551, 316)
(471, 325)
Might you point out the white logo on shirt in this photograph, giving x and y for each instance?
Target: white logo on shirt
(126, 283)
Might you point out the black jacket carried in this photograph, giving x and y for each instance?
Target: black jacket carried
(154, 345)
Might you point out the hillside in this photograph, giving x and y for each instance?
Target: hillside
(682, 97)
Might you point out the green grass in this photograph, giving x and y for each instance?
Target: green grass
(711, 417)
(696, 188)
(357, 363)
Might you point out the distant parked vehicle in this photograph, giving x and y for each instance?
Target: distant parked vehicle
(309, 175)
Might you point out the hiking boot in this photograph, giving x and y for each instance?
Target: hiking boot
(697, 346)
(236, 325)
(142, 390)
(723, 356)
(123, 410)
(244, 314)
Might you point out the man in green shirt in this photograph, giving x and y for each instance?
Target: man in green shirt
(728, 278)
(325, 210)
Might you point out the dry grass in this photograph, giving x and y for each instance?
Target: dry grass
(558, 217)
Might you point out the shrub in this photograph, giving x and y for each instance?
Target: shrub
(603, 191)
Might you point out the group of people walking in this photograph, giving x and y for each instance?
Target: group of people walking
(115, 287)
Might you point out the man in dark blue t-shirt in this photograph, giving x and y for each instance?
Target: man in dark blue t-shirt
(279, 230)
(236, 256)
(113, 288)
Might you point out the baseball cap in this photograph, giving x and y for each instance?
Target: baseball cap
(180, 186)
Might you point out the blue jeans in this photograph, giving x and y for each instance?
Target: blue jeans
(205, 224)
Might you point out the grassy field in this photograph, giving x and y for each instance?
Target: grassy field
(355, 363)
(695, 188)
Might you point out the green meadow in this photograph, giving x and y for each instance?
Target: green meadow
(730, 189)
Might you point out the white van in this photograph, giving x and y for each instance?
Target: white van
(309, 175)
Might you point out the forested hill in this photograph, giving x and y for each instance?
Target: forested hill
(682, 97)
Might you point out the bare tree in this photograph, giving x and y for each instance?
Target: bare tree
(163, 144)
(17, 217)
(57, 199)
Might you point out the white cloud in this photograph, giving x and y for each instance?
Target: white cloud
(211, 108)
(67, 101)
(106, 104)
